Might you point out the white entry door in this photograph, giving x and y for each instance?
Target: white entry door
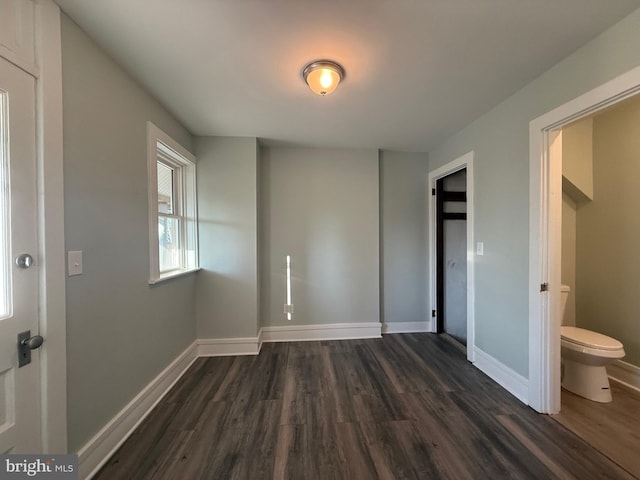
(20, 423)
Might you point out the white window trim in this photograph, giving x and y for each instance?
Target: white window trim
(187, 189)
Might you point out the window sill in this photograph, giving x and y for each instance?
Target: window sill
(172, 275)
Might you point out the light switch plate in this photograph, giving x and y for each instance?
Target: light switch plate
(480, 248)
(74, 262)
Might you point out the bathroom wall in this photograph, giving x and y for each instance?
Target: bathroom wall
(569, 256)
(577, 189)
(608, 232)
(577, 160)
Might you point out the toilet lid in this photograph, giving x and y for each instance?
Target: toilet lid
(587, 338)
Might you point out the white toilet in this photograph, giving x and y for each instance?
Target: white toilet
(584, 356)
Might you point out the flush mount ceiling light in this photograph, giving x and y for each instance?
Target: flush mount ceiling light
(323, 76)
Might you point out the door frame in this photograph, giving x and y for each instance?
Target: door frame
(53, 317)
(545, 225)
(50, 258)
(460, 163)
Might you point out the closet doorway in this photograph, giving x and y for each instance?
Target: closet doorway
(451, 251)
(451, 255)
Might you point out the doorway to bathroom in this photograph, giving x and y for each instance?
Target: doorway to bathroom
(569, 245)
(600, 159)
(451, 251)
(545, 215)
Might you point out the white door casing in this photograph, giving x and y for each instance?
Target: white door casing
(20, 429)
(545, 224)
(465, 161)
(30, 39)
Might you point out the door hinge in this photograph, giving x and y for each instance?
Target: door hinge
(544, 287)
(433, 191)
(433, 314)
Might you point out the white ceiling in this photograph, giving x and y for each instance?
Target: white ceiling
(416, 70)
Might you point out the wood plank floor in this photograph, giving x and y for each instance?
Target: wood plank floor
(624, 373)
(401, 407)
(613, 428)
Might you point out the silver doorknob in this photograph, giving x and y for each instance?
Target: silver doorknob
(24, 260)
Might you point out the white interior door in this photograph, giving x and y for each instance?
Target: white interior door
(20, 423)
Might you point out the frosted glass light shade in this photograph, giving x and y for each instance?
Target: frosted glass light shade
(323, 76)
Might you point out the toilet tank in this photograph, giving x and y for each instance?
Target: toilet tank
(564, 295)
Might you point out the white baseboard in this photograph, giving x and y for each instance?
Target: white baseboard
(509, 379)
(625, 373)
(406, 327)
(99, 449)
(213, 347)
(223, 347)
(330, 331)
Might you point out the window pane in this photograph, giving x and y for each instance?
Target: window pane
(165, 188)
(170, 255)
(5, 261)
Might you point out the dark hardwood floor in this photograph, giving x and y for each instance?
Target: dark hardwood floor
(401, 407)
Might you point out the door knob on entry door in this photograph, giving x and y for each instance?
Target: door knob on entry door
(33, 342)
(26, 343)
(24, 260)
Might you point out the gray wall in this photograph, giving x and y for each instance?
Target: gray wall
(227, 290)
(577, 160)
(120, 331)
(320, 206)
(608, 232)
(404, 239)
(500, 140)
(577, 189)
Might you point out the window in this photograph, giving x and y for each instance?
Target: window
(173, 242)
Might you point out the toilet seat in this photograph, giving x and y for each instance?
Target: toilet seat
(589, 339)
